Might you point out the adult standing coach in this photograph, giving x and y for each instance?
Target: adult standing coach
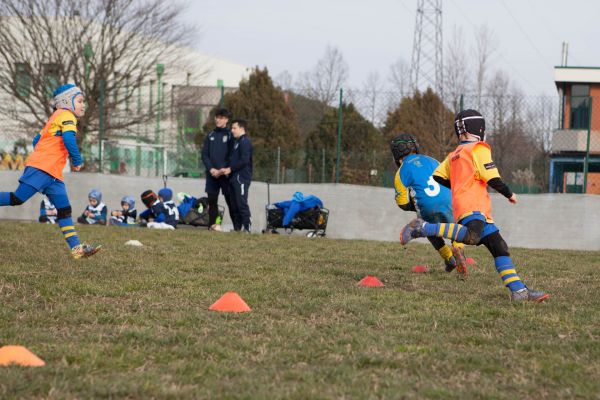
(216, 152)
(240, 175)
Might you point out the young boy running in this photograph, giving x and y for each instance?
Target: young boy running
(417, 191)
(43, 172)
(468, 171)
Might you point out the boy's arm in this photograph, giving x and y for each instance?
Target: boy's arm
(159, 212)
(488, 172)
(102, 216)
(71, 144)
(442, 173)
(245, 154)
(68, 126)
(205, 155)
(145, 214)
(36, 139)
(402, 196)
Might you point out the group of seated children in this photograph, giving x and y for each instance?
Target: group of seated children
(161, 212)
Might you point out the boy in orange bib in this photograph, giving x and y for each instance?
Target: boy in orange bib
(468, 171)
(43, 171)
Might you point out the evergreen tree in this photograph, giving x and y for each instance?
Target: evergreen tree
(425, 116)
(271, 121)
(361, 146)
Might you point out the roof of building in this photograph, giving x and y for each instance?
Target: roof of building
(576, 75)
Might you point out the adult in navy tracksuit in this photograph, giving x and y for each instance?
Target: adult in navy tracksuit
(216, 153)
(240, 175)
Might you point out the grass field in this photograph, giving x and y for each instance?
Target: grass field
(134, 322)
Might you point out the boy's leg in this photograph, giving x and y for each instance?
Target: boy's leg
(234, 211)
(23, 193)
(57, 194)
(453, 231)
(229, 198)
(212, 192)
(506, 269)
(243, 208)
(444, 251)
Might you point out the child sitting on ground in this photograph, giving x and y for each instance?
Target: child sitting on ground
(127, 215)
(162, 212)
(95, 213)
(48, 212)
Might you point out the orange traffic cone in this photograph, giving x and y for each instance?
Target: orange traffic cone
(420, 269)
(19, 355)
(370, 281)
(230, 302)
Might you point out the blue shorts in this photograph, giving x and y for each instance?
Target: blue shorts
(42, 181)
(488, 228)
(437, 217)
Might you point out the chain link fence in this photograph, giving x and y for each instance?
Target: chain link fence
(540, 143)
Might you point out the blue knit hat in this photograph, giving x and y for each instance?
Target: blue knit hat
(166, 194)
(129, 200)
(64, 97)
(96, 195)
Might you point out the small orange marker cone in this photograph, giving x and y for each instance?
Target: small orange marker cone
(370, 281)
(420, 269)
(470, 261)
(230, 302)
(19, 355)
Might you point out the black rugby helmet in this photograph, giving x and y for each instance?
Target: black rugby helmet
(469, 121)
(403, 145)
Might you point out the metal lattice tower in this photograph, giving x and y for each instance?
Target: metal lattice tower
(427, 65)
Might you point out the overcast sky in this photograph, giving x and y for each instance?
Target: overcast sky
(372, 35)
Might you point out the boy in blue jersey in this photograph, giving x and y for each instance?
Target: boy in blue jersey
(162, 212)
(417, 191)
(43, 172)
(95, 212)
(127, 215)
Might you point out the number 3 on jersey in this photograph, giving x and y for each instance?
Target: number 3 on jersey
(433, 188)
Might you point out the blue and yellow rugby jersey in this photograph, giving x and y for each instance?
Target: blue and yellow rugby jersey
(414, 180)
(50, 153)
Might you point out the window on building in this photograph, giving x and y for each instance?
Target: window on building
(580, 107)
(23, 79)
(51, 73)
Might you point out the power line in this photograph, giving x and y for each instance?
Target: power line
(525, 33)
(506, 61)
(547, 26)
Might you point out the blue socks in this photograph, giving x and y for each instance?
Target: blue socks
(507, 272)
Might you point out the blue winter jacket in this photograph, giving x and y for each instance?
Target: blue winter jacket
(298, 204)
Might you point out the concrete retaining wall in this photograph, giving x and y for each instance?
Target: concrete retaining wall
(557, 221)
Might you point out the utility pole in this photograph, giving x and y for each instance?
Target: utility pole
(427, 57)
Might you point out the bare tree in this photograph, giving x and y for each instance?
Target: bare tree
(284, 80)
(325, 80)
(373, 107)
(109, 48)
(400, 77)
(456, 69)
(485, 46)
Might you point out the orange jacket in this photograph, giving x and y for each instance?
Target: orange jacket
(469, 168)
(50, 154)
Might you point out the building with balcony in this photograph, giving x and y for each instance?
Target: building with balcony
(576, 142)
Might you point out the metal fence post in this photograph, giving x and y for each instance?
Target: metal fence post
(461, 105)
(339, 139)
(323, 166)
(100, 123)
(278, 163)
(587, 148)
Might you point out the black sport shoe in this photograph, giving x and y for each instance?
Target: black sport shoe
(528, 295)
(450, 264)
